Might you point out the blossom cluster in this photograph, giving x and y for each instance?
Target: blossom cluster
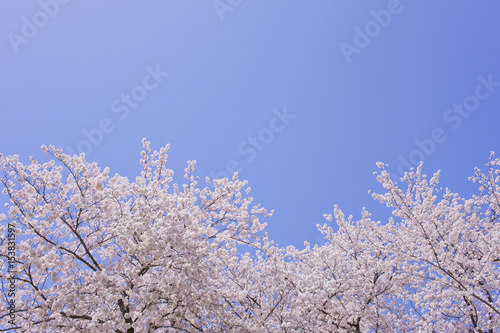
(101, 253)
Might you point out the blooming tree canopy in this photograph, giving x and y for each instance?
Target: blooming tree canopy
(86, 252)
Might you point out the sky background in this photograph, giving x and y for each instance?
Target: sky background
(359, 81)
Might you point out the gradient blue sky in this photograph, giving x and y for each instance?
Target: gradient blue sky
(366, 81)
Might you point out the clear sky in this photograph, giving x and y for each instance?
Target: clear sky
(301, 97)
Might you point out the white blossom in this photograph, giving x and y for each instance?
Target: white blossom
(102, 254)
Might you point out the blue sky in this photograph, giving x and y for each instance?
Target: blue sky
(301, 97)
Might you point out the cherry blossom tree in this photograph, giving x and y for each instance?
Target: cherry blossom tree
(103, 254)
(448, 250)
(433, 267)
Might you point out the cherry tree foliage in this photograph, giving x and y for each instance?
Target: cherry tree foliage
(100, 253)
